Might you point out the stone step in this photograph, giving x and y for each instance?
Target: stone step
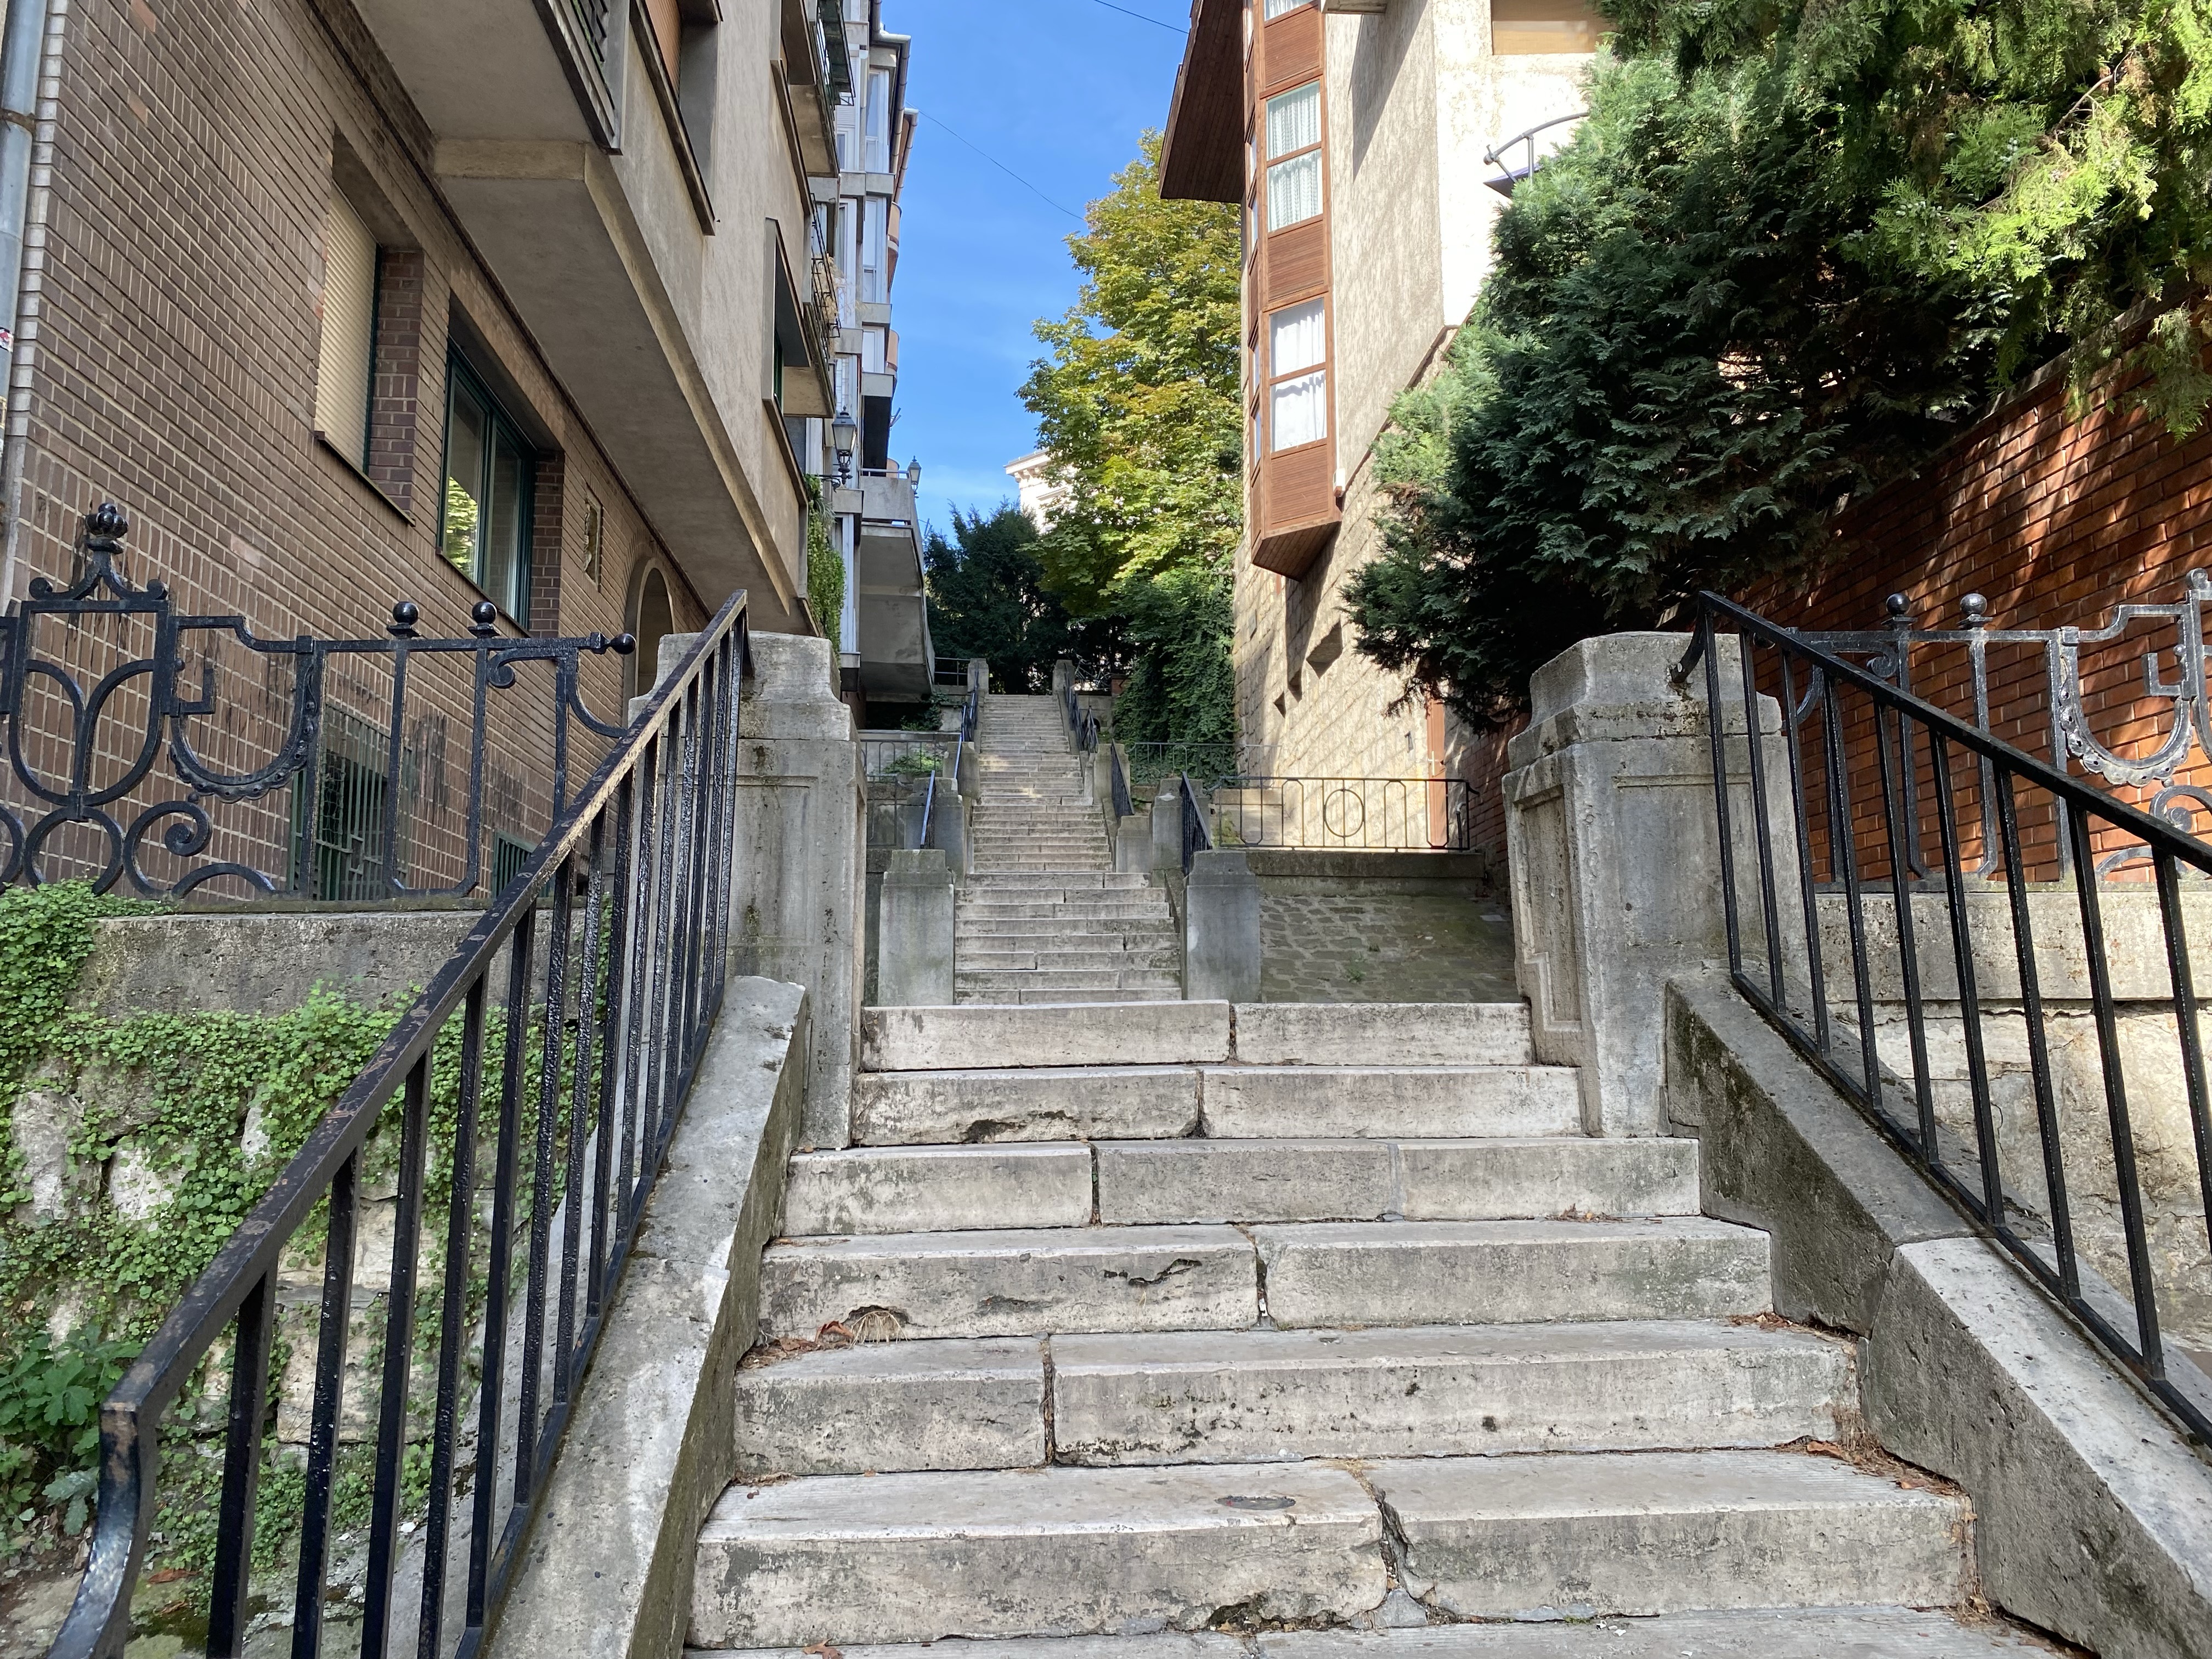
(1115, 955)
(919, 1189)
(1089, 880)
(1012, 933)
(1066, 979)
(1257, 1396)
(1750, 1633)
(883, 1406)
(912, 1557)
(1014, 1283)
(1061, 997)
(932, 1039)
(1366, 1180)
(1384, 1034)
(1667, 1532)
(1082, 907)
(1246, 1102)
(986, 1107)
(1507, 1273)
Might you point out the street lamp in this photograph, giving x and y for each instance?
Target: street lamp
(913, 474)
(844, 436)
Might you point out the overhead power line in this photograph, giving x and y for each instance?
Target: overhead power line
(1173, 28)
(1008, 171)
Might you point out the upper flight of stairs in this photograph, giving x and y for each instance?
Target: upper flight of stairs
(1045, 918)
(1120, 1321)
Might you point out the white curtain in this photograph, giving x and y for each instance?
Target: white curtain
(1294, 191)
(1301, 410)
(1298, 337)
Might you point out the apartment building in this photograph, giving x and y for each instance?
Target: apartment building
(349, 303)
(883, 638)
(1371, 144)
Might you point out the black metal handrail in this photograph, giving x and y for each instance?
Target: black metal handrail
(645, 853)
(1850, 838)
(1396, 815)
(1196, 837)
(1123, 804)
(60, 721)
(925, 824)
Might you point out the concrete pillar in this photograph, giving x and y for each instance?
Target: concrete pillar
(1614, 853)
(914, 931)
(1167, 827)
(979, 676)
(1132, 843)
(801, 861)
(948, 826)
(1221, 930)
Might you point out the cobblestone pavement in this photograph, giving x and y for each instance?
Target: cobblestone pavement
(1385, 947)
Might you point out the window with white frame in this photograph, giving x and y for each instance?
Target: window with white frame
(1294, 157)
(1298, 378)
(875, 350)
(875, 231)
(876, 128)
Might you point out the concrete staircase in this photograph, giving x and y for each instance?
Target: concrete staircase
(1045, 919)
(1324, 1329)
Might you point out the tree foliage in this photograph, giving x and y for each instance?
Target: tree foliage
(1791, 250)
(1137, 401)
(987, 599)
(1182, 687)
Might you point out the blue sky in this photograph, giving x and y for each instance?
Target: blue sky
(1058, 91)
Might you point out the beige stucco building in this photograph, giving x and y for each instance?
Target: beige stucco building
(1358, 137)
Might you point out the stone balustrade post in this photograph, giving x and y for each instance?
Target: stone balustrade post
(1221, 929)
(914, 931)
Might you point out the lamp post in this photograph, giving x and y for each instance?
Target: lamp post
(844, 436)
(913, 474)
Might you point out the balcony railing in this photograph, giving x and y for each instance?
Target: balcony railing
(582, 29)
(1512, 169)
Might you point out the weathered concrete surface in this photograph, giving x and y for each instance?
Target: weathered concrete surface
(1781, 1152)
(1615, 857)
(1221, 929)
(916, 1557)
(607, 1569)
(1388, 1101)
(800, 878)
(1014, 1283)
(1331, 939)
(914, 1189)
(1561, 1174)
(1185, 1180)
(1163, 1644)
(1078, 1102)
(1496, 1272)
(895, 1406)
(913, 930)
(1668, 1532)
(1252, 1396)
(253, 960)
(2093, 1518)
(945, 1039)
(1752, 1633)
(1383, 1034)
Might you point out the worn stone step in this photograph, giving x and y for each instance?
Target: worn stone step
(1667, 1532)
(1155, 923)
(1251, 1396)
(1103, 956)
(1058, 998)
(1366, 1180)
(1091, 880)
(1065, 979)
(1383, 1034)
(1245, 1102)
(1748, 1634)
(913, 1558)
(932, 1039)
(975, 1107)
(1012, 1283)
(1110, 907)
(889, 1406)
(1499, 1273)
(919, 1189)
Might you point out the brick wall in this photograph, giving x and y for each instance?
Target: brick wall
(176, 373)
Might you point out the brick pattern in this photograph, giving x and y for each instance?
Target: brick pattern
(176, 373)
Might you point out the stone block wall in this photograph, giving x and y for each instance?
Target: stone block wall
(1382, 927)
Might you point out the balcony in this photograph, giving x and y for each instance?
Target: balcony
(896, 654)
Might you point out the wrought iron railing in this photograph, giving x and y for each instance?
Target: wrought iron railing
(1210, 764)
(581, 30)
(1511, 171)
(949, 671)
(582, 1068)
(1900, 887)
(1197, 835)
(1124, 803)
(1401, 815)
(97, 707)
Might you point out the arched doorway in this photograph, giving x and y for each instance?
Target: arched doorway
(652, 620)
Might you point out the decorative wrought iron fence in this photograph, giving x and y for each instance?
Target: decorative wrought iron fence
(1405, 815)
(612, 947)
(1209, 764)
(97, 705)
(1995, 961)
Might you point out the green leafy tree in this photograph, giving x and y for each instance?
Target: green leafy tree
(1182, 687)
(1791, 250)
(1138, 400)
(987, 599)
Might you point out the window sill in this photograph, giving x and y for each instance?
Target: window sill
(367, 483)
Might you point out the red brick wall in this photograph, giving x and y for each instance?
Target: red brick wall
(176, 373)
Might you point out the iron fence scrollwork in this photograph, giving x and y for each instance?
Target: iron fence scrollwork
(80, 752)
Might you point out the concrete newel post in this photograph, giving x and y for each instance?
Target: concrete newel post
(1221, 930)
(1614, 852)
(1167, 827)
(914, 931)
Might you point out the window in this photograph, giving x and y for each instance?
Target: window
(1298, 396)
(508, 855)
(1294, 157)
(1522, 28)
(876, 132)
(875, 229)
(347, 353)
(484, 526)
(339, 841)
(595, 538)
(1282, 8)
(875, 350)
